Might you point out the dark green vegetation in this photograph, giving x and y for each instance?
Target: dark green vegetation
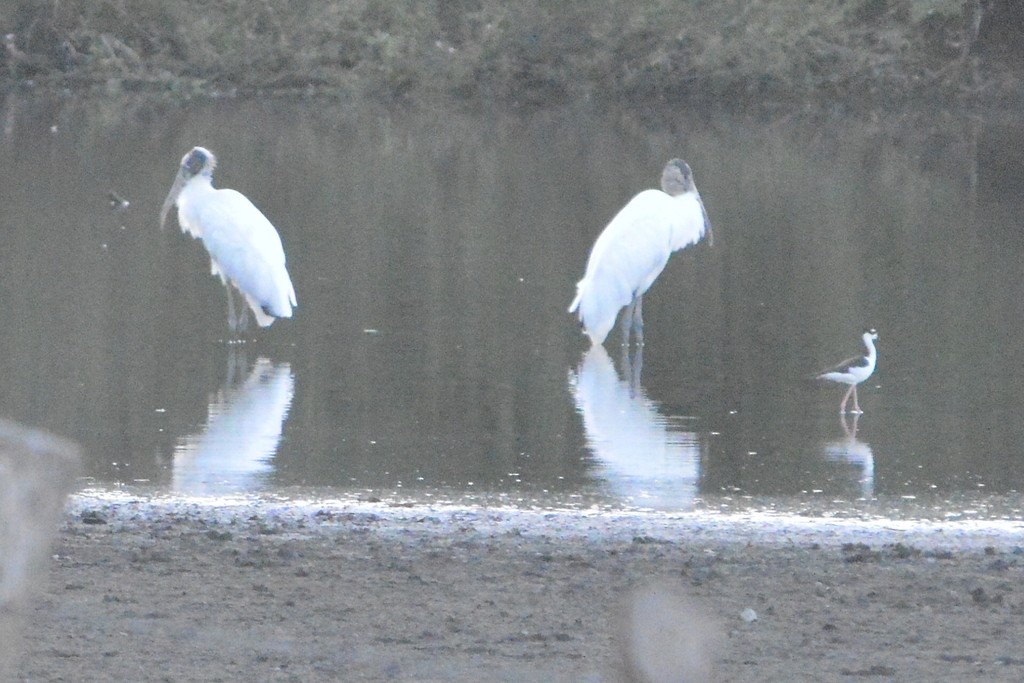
(735, 53)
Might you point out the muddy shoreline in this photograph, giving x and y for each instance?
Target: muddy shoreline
(175, 590)
(142, 589)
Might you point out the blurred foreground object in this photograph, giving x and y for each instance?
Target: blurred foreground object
(666, 637)
(37, 471)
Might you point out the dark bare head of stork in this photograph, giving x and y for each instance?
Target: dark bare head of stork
(677, 178)
(199, 161)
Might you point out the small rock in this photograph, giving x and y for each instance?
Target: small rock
(643, 540)
(748, 615)
(860, 552)
(1010, 661)
(905, 552)
(287, 553)
(980, 596)
(93, 517)
(873, 670)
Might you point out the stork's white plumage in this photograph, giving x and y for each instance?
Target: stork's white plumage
(854, 370)
(245, 249)
(633, 249)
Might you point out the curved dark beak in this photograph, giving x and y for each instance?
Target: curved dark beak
(172, 198)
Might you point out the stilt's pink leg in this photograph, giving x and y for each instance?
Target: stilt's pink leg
(842, 407)
(856, 404)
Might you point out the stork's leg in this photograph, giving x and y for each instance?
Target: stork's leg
(243, 315)
(232, 318)
(635, 370)
(626, 321)
(632, 361)
(846, 397)
(238, 312)
(638, 319)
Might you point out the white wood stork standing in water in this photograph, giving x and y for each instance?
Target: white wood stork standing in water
(633, 249)
(854, 370)
(245, 249)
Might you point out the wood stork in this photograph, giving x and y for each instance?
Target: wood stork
(854, 370)
(245, 249)
(633, 249)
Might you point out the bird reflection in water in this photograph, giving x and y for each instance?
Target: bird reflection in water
(641, 455)
(855, 452)
(233, 453)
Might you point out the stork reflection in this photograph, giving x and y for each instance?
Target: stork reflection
(857, 453)
(641, 455)
(233, 453)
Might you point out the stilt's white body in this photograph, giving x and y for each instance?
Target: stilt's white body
(245, 250)
(854, 370)
(633, 249)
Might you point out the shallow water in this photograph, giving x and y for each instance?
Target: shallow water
(434, 255)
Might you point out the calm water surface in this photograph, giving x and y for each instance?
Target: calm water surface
(434, 255)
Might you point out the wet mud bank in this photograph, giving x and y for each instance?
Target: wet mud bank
(364, 591)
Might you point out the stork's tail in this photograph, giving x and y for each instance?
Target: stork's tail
(575, 305)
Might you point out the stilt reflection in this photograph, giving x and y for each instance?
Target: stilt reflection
(858, 453)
